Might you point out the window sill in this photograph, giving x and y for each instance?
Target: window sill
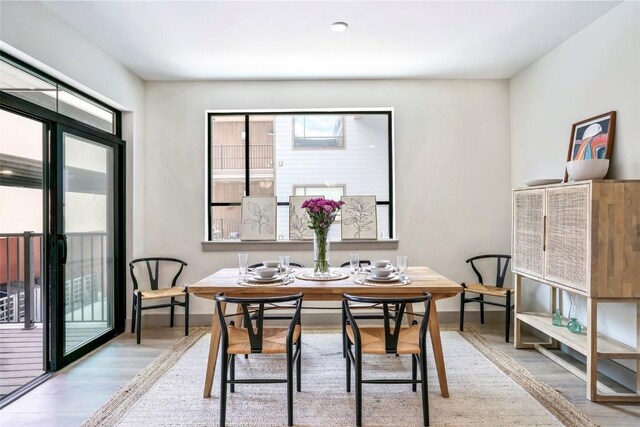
(296, 245)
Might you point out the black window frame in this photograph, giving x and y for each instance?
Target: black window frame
(247, 114)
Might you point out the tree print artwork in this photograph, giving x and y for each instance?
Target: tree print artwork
(258, 218)
(359, 217)
(298, 228)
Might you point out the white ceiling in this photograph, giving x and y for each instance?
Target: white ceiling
(187, 40)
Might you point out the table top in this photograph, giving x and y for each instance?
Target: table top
(422, 279)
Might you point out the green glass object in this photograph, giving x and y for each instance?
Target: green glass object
(556, 320)
(574, 326)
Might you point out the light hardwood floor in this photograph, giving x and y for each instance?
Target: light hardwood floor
(75, 393)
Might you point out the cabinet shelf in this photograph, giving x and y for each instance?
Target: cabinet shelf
(606, 346)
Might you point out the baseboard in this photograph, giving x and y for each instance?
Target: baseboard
(328, 318)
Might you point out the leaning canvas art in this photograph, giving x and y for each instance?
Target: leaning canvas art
(359, 217)
(592, 138)
(258, 218)
(299, 219)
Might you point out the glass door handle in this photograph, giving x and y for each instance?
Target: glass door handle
(62, 248)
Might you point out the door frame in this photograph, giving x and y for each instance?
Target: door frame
(52, 191)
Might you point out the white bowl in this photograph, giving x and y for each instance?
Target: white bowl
(271, 263)
(579, 170)
(379, 263)
(266, 272)
(381, 273)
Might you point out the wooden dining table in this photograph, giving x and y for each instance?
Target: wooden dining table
(422, 279)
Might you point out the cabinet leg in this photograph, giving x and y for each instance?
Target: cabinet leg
(592, 348)
(517, 326)
(638, 347)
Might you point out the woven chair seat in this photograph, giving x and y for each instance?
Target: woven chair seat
(491, 290)
(175, 291)
(274, 340)
(373, 341)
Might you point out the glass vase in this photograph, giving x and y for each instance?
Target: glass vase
(556, 320)
(574, 326)
(321, 253)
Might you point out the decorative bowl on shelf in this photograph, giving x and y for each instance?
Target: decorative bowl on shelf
(580, 170)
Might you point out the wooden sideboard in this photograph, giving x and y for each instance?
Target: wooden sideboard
(583, 238)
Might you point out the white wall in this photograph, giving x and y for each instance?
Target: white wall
(452, 166)
(37, 36)
(595, 71)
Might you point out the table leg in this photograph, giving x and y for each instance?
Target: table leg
(436, 342)
(213, 350)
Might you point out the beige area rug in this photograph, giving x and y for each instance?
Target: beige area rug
(487, 388)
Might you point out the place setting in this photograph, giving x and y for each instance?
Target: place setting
(270, 273)
(381, 272)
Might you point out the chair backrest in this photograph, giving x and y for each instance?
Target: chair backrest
(390, 305)
(291, 264)
(363, 262)
(153, 265)
(501, 269)
(253, 318)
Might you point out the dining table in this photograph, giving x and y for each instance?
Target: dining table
(420, 279)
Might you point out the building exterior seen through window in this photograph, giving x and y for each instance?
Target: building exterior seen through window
(328, 154)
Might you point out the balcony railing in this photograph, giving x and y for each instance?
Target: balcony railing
(225, 228)
(86, 285)
(20, 278)
(86, 288)
(232, 156)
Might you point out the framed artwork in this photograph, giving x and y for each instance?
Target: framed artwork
(359, 218)
(299, 219)
(592, 138)
(259, 218)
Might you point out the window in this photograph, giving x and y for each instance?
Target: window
(252, 154)
(318, 131)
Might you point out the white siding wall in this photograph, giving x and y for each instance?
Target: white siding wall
(361, 166)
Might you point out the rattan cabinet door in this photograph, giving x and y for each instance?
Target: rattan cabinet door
(567, 235)
(528, 232)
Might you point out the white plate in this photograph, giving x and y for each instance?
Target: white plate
(389, 266)
(392, 278)
(544, 181)
(258, 279)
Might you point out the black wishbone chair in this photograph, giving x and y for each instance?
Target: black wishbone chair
(389, 339)
(255, 338)
(498, 290)
(157, 291)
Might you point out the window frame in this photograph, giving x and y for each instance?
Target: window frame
(209, 114)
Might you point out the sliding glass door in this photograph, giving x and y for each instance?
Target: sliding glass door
(88, 241)
(88, 237)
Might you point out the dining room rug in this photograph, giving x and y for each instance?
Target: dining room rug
(486, 387)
